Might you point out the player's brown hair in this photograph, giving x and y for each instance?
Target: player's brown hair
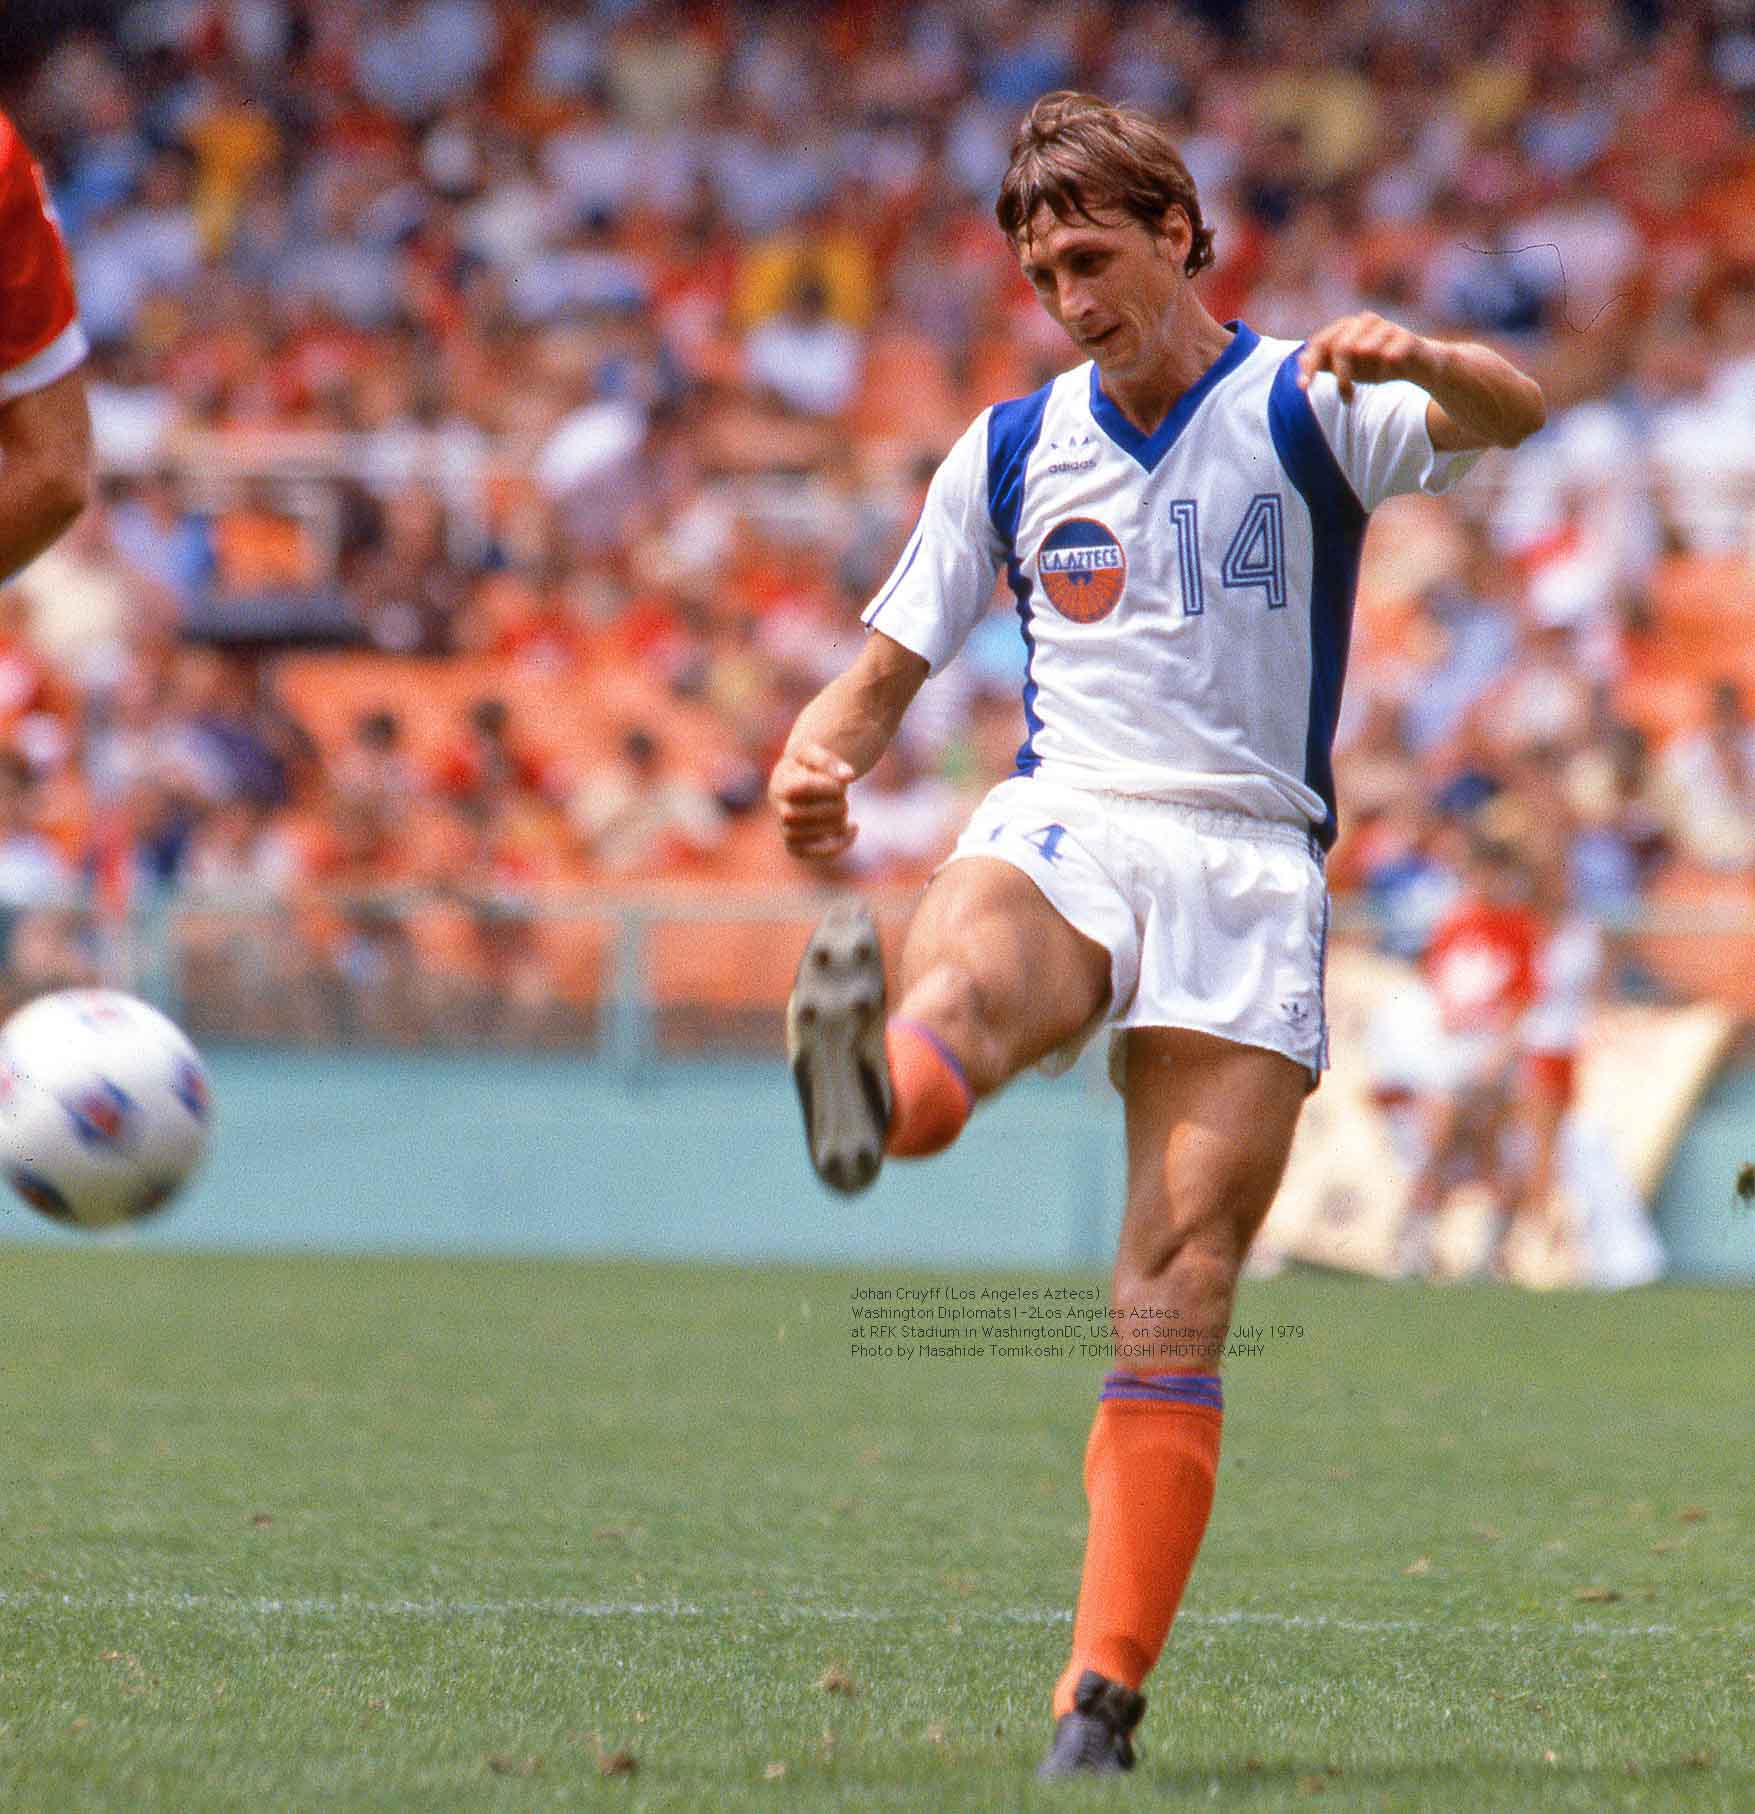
(1079, 156)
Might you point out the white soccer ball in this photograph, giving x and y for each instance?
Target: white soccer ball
(105, 1107)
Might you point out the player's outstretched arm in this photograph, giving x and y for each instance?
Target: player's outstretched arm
(839, 736)
(45, 467)
(1479, 399)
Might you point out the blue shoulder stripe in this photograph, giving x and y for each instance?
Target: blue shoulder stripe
(1013, 430)
(1337, 533)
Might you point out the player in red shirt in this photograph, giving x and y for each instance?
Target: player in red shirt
(1482, 967)
(45, 429)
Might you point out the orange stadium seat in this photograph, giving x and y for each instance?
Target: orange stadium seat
(1658, 691)
(709, 978)
(730, 976)
(578, 722)
(906, 397)
(1714, 590)
(580, 955)
(1708, 965)
(1702, 630)
(752, 854)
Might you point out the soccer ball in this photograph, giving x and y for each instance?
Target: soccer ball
(105, 1107)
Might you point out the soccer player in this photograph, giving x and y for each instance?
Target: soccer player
(1179, 520)
(45, 430)
(1482, 968)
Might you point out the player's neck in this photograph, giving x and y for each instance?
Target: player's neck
(1192, 342)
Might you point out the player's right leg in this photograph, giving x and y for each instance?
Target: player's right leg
(1209, 1128)
(992, 979)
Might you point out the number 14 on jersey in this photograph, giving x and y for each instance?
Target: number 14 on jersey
(1256, 556)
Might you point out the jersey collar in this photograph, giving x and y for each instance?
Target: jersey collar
(1150, 449)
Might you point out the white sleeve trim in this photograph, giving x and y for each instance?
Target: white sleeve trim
(42, 368)
(1444, 466)
(942, 581)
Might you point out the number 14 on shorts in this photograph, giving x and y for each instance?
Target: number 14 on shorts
(1046, 838)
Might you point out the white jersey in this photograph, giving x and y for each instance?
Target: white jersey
(1186, 597)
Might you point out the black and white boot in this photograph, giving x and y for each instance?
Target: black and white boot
(835, 1044)
(1096, 1738)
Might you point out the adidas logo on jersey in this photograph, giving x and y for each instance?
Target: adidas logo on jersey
(1074, 454)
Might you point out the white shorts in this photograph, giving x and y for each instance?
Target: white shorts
(1213, 921)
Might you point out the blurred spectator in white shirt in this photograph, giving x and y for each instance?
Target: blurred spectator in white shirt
(636, 816)
(907, 816)
(129, 254)
(32, 872)
(422, 53)
(809, 361)
(1709, 783)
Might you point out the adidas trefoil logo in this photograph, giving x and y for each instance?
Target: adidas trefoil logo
(1073, 454)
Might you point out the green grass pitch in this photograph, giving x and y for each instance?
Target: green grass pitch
(301, 1532)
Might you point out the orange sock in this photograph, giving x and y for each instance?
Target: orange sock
(932, 1096)
(1149, 1472)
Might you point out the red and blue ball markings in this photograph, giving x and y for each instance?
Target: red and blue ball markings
(103, 1116)
(1083, 569)
(154, 1195)
(39, 1192)
(101, 1014)
(189, 1086)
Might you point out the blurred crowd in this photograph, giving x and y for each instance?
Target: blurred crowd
(600, 350)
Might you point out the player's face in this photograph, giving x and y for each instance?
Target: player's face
(1109, 283)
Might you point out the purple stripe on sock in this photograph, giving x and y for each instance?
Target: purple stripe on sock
(944, 1052)
(1123, 1394)
(1166, 1388)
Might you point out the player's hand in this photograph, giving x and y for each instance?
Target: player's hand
(1365, 349)
(808, 789)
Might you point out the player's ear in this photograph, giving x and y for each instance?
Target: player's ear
(1175, 234)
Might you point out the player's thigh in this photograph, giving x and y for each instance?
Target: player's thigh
(985, 941)
(1209, 1129)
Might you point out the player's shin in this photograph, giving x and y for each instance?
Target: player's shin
(1150, 1467)
(932, 1096)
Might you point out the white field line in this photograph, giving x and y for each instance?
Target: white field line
(347, 1606)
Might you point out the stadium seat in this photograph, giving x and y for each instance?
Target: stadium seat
(577, 724)
(1705, 964)
(1703, 613)
(1712, 590)
(725, 980)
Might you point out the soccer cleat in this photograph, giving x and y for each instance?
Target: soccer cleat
(1096, 1738)
(835, 1043)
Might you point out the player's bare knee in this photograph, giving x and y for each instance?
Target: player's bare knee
(1197, 1268)
(1174, 1318)
(1195, 1277)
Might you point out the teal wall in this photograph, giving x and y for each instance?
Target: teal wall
(491, 1153)
(1707, 1231)
(499, 1153)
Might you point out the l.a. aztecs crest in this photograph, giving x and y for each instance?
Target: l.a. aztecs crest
(1083, 569)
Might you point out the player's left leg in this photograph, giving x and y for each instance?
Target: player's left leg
(1442, 1131)
(1526, 1161)
(1209, 1127)
(1500, 1165)
(993, 977)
